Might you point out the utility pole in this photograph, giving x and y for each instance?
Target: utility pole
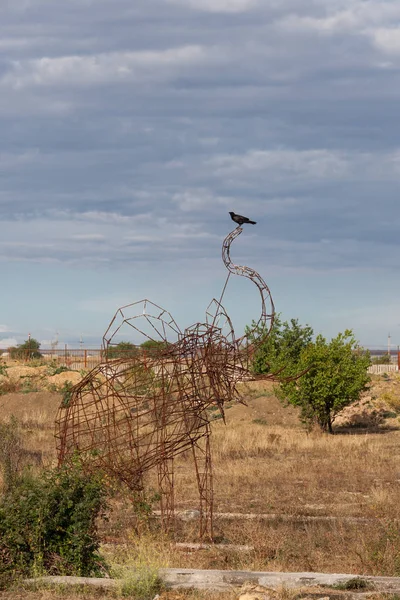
(389, 344)
(54, 344)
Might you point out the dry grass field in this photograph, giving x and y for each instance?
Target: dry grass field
(336, 499)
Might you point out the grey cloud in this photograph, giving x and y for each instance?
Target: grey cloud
(125, 122)
(218, 6)
(90, 70)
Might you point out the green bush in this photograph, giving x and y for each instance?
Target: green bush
(66, 390)
(28, 385)
(48, 524)
(54, 369)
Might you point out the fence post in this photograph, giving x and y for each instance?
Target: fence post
(85, 360)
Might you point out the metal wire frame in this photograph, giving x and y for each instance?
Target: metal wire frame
(266, 319)
(131, 415)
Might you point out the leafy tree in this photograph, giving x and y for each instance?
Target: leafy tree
(122, 350)
(281, 348)
(153, 345)
(127, 349)
(335, 375)
(28, 350)
(384, 359)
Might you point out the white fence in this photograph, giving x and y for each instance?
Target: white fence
(380, 369)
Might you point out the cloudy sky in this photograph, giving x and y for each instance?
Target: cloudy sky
(129, 129)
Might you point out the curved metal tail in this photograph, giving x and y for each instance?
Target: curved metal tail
(266, 320)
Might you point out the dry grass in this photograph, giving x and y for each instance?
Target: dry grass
(88, 593)
(264, 462)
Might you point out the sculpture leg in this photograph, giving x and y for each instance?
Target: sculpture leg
(203, 466)
(166, 488)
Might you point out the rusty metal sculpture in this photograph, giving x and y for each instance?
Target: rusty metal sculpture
(138, 412)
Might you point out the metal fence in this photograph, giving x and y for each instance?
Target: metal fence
(77, 359)
(74, 359)
(380, 369)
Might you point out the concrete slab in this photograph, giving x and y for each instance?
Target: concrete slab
(219, 580)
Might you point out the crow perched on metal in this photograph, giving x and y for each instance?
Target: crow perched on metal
(239, 219)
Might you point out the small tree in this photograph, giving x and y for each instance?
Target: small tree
(335, 375)
(281, 348)
(28, 350)
(152, 346)
(122, 350)
(384, 359)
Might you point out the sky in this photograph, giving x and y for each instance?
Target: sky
(130, 129)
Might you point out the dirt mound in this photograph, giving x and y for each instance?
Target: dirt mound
(364, 413)
(24, 371)
(62, 378)
(262, 406)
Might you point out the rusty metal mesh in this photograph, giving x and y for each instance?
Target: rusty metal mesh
(137, 412)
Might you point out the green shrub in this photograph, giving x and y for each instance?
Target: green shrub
(48, 524)
(28, 385)
(55, 369)
(356, 583)
(66, 391)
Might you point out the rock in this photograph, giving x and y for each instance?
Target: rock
(254, 596)
(255, 592)
(189, 515)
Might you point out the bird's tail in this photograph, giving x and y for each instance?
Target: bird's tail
(252, 222)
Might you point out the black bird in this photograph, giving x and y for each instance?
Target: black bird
(240, 220)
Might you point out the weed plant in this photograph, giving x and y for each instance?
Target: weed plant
(66, 391)
(10, 386)
(3, 369)
(55, 369)
(137, 565)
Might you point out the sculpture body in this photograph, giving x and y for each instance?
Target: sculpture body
(135, 413)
